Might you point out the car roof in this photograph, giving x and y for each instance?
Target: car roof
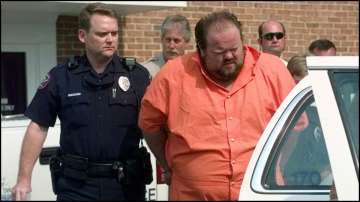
(332, 62)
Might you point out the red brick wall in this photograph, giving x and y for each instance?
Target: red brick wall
(304, 21)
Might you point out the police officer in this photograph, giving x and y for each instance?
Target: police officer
(96, 97)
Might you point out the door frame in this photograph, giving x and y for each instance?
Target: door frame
(32, 69)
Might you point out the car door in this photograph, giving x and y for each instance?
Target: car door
(341, 126)
(290, 161)
(312, 140)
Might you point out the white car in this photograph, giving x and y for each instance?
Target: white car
(12, 132)
(312, 141)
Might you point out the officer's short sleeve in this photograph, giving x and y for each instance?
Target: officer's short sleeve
(43, 108)
(142, 79)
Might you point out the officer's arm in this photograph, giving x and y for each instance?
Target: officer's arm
(31, 147)
(156, 142)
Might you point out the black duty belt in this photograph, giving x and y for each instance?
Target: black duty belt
(80, 168)
(101, 170)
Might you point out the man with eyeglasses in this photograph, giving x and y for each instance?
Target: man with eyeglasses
(272, 38)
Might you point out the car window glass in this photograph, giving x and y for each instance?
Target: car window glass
(301, 160)
(346, 89)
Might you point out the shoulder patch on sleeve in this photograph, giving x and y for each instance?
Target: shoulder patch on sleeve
(45, 81)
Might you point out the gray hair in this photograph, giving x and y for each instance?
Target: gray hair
(180, 20)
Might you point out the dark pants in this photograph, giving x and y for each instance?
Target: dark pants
(98, 189)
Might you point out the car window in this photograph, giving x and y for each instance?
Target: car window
(301, 160)
(346, 89)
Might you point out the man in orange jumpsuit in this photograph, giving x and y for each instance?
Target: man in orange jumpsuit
(205, 111)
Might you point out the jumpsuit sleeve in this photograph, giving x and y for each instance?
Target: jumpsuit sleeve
(155, 105)
(286, 85)
(283, 83)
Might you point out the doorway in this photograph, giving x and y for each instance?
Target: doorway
(13, 83)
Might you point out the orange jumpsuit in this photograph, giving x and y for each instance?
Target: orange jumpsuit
(212, 131)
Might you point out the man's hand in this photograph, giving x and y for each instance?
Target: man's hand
(167, 176)
(20, 190)
(31, 147)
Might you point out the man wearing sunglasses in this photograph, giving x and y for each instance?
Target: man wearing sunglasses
(272, 38)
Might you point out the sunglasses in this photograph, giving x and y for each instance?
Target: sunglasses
(269, 36)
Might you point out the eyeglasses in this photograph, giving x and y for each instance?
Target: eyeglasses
(269, 36)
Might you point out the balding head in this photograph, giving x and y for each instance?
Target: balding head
(272, 37)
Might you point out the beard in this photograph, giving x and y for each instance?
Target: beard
(226, 73)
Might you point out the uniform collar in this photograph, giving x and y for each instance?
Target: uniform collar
(84, 65)
(160, 59)
(115, 65)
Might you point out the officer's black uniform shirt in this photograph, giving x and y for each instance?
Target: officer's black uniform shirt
(98, 118)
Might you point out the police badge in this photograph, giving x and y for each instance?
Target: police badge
(124, 83)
